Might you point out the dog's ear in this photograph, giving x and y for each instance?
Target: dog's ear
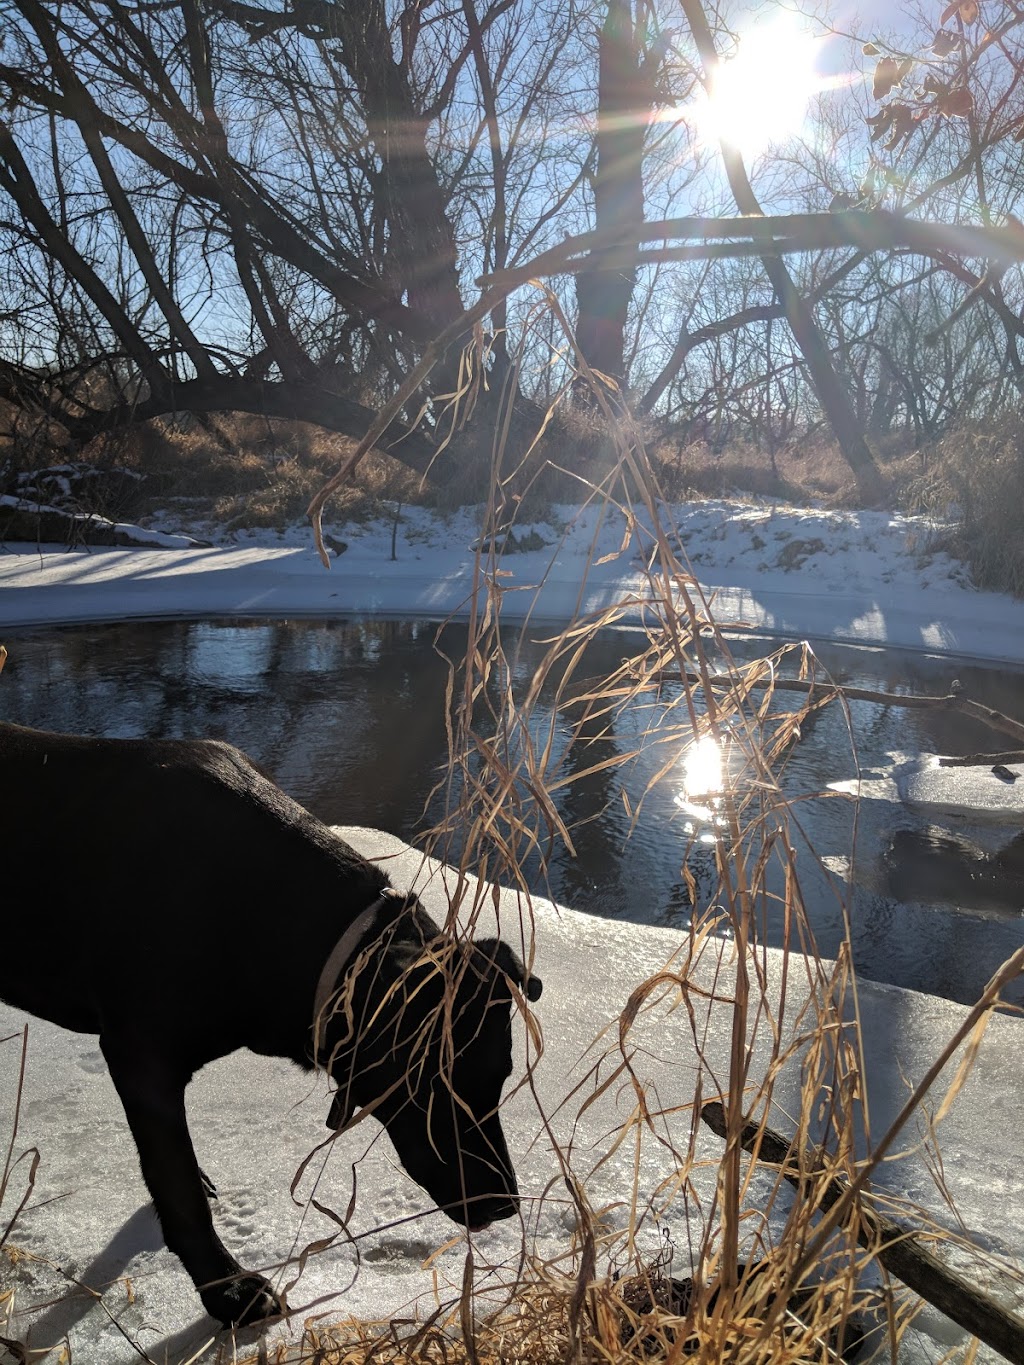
(497, 951)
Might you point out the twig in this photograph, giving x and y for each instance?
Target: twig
(97, 1294)
(899, 1249)
(11, 1165)
(466, 1309)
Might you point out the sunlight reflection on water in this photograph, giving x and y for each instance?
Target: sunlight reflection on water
(703, 786)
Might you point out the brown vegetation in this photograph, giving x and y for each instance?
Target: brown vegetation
(976, 478)
(237, 471)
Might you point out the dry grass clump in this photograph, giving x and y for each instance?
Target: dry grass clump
(694, 467)
(547, 456)
(809, 468)
(253, 472)
(242, 471)
(976, 477)
(644, 1318)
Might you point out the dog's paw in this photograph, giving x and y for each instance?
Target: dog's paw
(243, 1301)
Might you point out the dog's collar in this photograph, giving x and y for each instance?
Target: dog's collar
(341, 954)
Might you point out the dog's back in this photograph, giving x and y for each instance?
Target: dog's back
(134, 866)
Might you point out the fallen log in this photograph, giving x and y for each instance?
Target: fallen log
(898, 1248)
(37, 524)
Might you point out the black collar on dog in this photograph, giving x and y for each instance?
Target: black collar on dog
(341, 954)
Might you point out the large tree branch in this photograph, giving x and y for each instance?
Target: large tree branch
(284, 238)
(119, 200)
(298, 401)
(16, 179)
(721, 238)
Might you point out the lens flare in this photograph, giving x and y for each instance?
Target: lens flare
(760, 97)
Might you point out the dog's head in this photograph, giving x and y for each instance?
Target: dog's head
(424, 1040)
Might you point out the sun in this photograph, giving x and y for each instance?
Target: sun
(760, 96)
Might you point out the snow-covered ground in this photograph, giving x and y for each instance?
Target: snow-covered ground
(254, 1120)
(866, 577)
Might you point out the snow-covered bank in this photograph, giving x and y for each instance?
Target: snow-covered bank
(864, 578)
(254, 1120)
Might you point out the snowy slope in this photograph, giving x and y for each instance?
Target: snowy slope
(866, 577)
(254, 1120)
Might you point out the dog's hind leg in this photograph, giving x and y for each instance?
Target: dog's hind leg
(152, 1091)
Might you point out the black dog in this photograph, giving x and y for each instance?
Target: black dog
(167, 896)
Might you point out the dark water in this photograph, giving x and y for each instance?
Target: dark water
(348, 717)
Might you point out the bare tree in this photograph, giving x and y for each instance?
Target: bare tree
(228, 206)
(628, 70)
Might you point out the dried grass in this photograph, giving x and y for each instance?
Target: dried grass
(18, 1174)
(238, 470)
(809, 469)
(975, 478)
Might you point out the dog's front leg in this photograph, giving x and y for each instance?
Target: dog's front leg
(154, 1102)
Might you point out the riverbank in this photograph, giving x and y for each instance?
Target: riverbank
(867, 578)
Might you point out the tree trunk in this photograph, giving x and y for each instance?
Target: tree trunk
(603, 292)
(422, 247)
(807, 334)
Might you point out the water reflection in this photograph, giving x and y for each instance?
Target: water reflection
(701, 795)
(934, 865)
(349, 718)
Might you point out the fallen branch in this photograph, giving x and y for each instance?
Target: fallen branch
(899, 1249)
(983, 760)
(951, 701)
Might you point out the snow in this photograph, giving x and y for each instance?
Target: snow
(923, 785)
(954, 791)
(254, 1120)
(864, 577)
(126, 529)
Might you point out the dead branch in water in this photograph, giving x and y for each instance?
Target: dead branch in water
(982, 760)
(951, 701)
(899, 1249)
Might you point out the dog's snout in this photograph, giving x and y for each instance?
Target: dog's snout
(480, 1213)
